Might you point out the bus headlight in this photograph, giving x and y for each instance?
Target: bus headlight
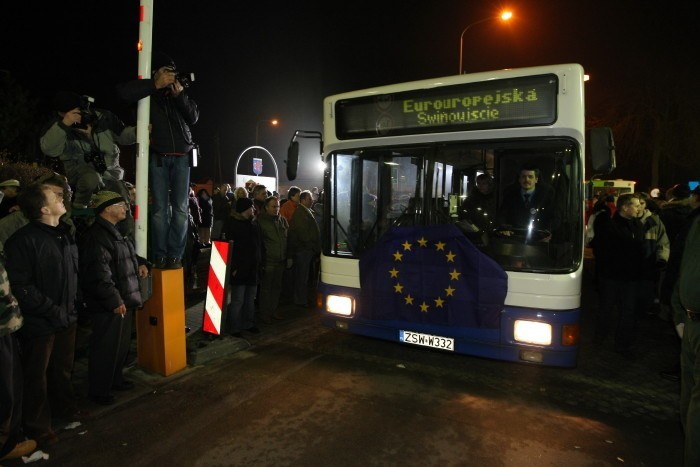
(532, 332)
(339, 305)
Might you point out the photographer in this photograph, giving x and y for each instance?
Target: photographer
(81, 138)
(170, 153)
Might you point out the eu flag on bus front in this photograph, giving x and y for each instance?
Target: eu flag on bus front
(431, 275)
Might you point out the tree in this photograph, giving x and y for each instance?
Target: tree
(18, 132)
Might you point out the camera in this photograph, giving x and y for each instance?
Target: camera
(87, 114)
(97, 159)
(185, 79)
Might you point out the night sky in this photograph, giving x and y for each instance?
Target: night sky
(278, 60)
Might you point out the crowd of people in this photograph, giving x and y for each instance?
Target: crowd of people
(53, 272)
(47, 274)
(646, 256)
(276, 247)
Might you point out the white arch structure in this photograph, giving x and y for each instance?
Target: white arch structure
(274, 163)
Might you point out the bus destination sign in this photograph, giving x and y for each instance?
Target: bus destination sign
(504, 103)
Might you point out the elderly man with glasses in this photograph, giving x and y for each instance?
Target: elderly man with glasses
(109, 278)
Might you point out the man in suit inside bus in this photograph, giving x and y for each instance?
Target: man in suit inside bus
(527, 203)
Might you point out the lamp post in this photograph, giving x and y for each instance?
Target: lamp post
(505, 16)
(273, 122)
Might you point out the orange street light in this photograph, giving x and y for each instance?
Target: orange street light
(504, 16)
(273, 122)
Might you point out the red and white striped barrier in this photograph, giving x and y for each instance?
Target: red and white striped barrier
(216, 287)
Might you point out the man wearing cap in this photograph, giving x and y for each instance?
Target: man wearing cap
(9, 190)
(171, 146)
(245, 267)
(82, 139)
(109, 278)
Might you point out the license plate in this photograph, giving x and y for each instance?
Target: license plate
(427, 340)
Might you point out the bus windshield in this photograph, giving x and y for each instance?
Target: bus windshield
(516, 200)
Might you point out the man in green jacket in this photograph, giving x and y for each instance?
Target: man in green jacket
(305, 246)
(273, 229)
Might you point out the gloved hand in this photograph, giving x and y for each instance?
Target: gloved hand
(679, 329)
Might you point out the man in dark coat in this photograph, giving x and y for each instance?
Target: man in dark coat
(527, 204)
(686, 307)
(109, 277)
(620, 252)
(245, 267)
(13, 445)
(42, 264)
(480, 206)
(170, 148)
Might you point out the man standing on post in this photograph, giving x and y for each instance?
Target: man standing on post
(109, 277)
(171, 146)
(42, 264)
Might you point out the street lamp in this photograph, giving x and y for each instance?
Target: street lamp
(273, 122)
(505, 16)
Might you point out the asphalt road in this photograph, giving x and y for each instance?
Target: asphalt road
(304, 395)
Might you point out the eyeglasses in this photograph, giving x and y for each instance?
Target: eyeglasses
(121, 205)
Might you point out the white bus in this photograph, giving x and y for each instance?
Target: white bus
(408, 257)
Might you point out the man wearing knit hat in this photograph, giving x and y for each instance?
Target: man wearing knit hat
(82, 139)
(245, 267)
(171, 148)
(109, 278)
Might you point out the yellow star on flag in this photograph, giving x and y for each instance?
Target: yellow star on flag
(406, 246)
(438, 302)
(398, 288)
(440, 246)
(423, 242)
(454, 275)
(424, 307)
(397, 256)
(450, 291)
(394, 272)
(450, 257)
(409, 300)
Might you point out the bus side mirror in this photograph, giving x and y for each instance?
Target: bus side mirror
(602, 150)
(292, 160)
